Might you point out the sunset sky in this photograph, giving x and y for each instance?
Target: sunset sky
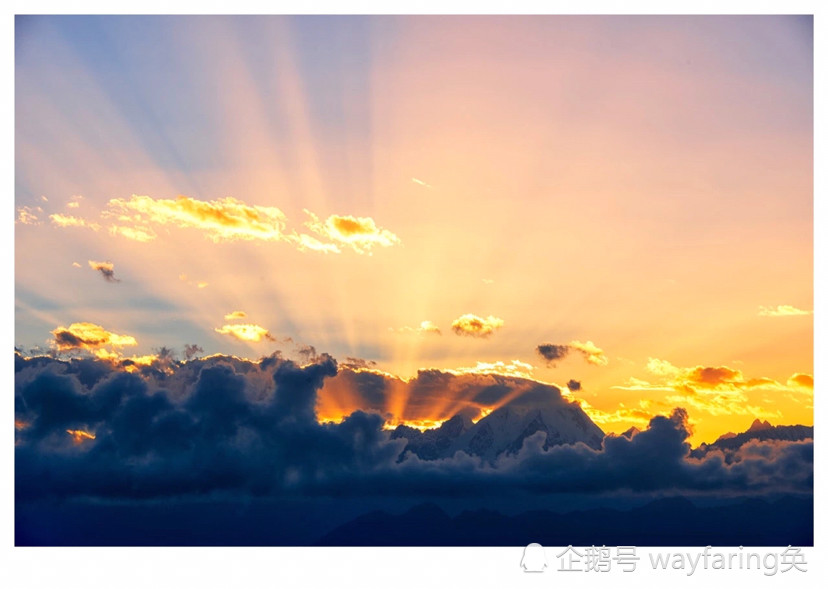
(619, 206)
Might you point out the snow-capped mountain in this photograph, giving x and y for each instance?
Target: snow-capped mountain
(504, 430)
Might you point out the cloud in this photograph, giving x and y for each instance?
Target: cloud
(305, 242)
(79, 436)
(592, 353)
(641, 414)
(421, 183)
(553, 353)
(359, 233)
(228, 219)
(717, 390)
(474, 326)
(76, 265)
(708, 377)
(357, 363)
(74, 202)
(714, 377)
(425, 328)
(61, 220)
(29, 215)
(573, 385)
(434, 395)
(192, 350)
(235, 315)
(224, 219)
(782, 311)
(662, 367)
(141, 234)
(88, 336)
(246, 332)
(107, 270)
(247, 429)
(514, 368)
(805, 381)
(307, 353)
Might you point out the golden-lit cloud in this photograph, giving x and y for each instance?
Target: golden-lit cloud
(425, 328)
(359, 233)
(160, 360)
(107, 270)
(88, 336)
(246, 332)
(29, 215)
(717, 390)
(623, 414)
(662, 367)
(76, 265)
(224, 219)
(235, 315)
(637, 384)
(553, 353)
(304, 242)
(79, 436)
(474, 326)
(421, 183)
(74, 202)
(805, 381)
(782, 311)
(514, 368)
(228, 219)
(721, 403)
(592, 353)
(714, 376)
(61, 220)
(142, 234)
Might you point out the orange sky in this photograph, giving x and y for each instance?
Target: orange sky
(361, 185)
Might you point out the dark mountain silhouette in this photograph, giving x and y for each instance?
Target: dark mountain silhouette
(761, 431)
(758, 425)
(673, 521)
(435, 443)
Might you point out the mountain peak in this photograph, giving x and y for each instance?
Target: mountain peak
(504, 430)
(758, 425)
(631, 432)
(726, 436)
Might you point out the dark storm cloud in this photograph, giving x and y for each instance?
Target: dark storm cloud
(552, 352)
(87, 428)
(66, 339)
(573, 385)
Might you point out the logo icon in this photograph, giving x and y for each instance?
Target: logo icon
(534, 559)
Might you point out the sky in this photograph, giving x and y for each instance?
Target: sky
(621, 207)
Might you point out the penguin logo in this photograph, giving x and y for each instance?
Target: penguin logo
(534, 559)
